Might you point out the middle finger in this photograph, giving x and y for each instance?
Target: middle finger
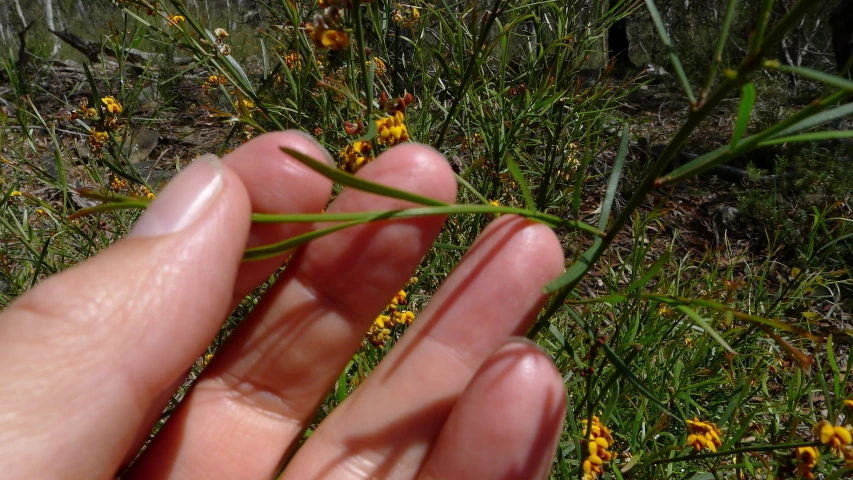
(264, 386)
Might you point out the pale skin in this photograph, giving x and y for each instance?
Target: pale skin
(91, 356)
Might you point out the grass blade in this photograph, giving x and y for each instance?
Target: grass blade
(747, 102)
(352, 181)
(639, 283)
(704, 325)
(613, 182)
(628, 374)
(522, 183)
(676, 63)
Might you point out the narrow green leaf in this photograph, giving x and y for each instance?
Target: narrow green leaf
(676, 63)
(642, 281)
(522, 183)
(476, 208)
(817, 120)
(341, 393)
(808, 137)
(761, 26)
(95, 195)
(734, 400)
(717, 59)
(357, 183)
(608, 299)
(840, 473)
(108, 207)
(577, 270)
(471, 188)
(836, 374)
(275, 249)
(613, 182)
(628, 374)
(747, 102)
(698, 320)
(40, 262)
(817, 76)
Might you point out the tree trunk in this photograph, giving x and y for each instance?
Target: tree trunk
(48, 18)
(841, 23)
(81, 10)
(20, 13)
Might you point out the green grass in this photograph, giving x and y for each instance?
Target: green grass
(642, 328)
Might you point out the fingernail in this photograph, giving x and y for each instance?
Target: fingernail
(183, 200)
(509, 342)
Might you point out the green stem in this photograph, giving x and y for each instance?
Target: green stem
(649, 182)
(469, 74)
(752, 448)
(550, 220)
(362, 56)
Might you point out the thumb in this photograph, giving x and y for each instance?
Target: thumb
(89, 351)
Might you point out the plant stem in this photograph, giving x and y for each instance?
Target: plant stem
(752, 448)
(469, 74)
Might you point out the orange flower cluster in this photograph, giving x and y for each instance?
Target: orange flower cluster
(807, 458)
(99, 130)
(703, 435)
(405, 16)
(839, 438)
(392, 130)
(355, 156)
(292, 60)
(380, 331)
(599, 441)
(118, 184)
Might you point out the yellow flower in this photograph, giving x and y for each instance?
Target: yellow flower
(834, 436)
(356, 156)
(206, 359)
(40, 212)
(91, 112)
(849, 403)
(416, 14)
(807, 458)
(379, 66)
(97, 138)
(334, 40)
(599, 441)
(118, 184)
(379, 333)
(392, 130)
(244, 104)
(292, 61)
(15, 193)
(399, 299)
(174, 20)
(703, 435)
(112, 105)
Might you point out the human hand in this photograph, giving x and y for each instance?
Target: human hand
(92, 355)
